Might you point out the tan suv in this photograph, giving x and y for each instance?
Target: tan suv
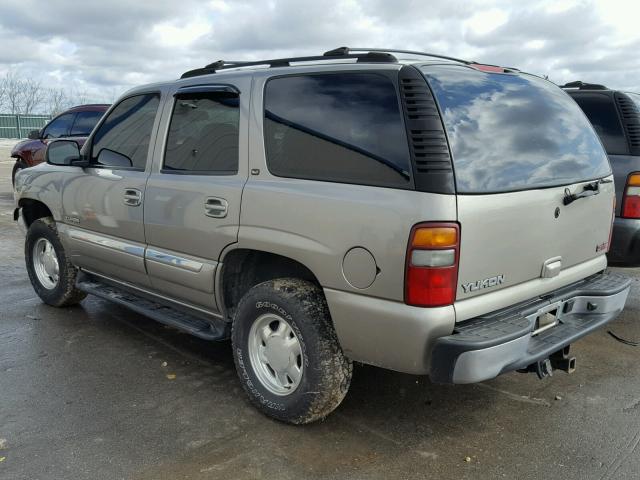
(425, 214)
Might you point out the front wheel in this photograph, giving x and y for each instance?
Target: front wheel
(287, 353)
(52, 275)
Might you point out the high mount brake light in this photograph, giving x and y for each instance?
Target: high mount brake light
(631, 197)
(431, 273)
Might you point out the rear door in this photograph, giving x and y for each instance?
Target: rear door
(102, 204)
(520, 145)
(192, 206)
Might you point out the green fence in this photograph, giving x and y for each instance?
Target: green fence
(19, 126)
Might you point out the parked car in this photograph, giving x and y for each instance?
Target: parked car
(310, 213)
(76, 122)
(615, 116)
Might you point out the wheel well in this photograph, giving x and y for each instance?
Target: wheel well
(243, 269)
(33, 210)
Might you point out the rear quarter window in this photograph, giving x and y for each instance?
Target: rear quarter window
(339, 127)
(601, 111)
(511, 132)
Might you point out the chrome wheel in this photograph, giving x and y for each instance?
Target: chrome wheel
(276, 354)
(45, 264)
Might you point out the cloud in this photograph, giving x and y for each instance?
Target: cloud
(112, 45)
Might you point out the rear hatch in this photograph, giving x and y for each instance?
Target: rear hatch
(520, 145)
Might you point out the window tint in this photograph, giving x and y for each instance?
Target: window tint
(336, 127)
(123, 138)
(511, 132)
(59, 127)
(84, 123)
(203, 134)
(603, 115)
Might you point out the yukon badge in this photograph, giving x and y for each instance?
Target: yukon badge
(480, 284)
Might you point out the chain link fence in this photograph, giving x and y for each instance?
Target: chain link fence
(19, 126)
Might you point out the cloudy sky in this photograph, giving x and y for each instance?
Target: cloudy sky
(104, 47)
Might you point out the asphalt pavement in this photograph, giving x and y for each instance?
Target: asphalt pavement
(98, 392)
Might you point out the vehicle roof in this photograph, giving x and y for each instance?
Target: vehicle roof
(89, 107)
(338, 59)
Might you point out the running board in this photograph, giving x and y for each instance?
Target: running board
(215, 330)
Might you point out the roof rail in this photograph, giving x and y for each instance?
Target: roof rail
(410, 52)
(584, 86)
(372, 57)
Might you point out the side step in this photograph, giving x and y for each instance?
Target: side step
(218, 330)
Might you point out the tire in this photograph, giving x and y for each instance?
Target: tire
(54, 284)
(324, 371)
(19, 165)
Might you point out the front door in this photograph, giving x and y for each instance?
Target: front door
(192, 202)
(102, 204)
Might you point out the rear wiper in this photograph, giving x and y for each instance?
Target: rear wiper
(588, 190)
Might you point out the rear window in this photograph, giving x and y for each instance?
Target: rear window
(636, 99)
(512, 132)
(602, 113)
(343, 127)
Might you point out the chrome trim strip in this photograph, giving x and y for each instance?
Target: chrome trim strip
(173, 260)
(106, 242)
(149, 292)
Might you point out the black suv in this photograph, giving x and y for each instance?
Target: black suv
(615, 115)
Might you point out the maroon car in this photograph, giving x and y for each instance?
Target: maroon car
(76, 122)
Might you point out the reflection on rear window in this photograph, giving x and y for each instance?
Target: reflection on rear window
(512, 132)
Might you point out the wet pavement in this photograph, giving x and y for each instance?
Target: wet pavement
(98, 392)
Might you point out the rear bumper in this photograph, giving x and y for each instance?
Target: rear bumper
(625, 243)
(485, 347)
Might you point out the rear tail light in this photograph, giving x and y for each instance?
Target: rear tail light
(432, 265)
(631, 197)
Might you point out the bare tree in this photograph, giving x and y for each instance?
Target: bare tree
(57, 101)
(13, 91)
(3, 93)
(32, 95)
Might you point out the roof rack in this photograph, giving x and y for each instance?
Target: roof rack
(584, 86)
(337, 54)
(410, 52)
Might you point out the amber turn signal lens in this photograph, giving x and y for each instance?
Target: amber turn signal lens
(634, 180)
(436, 237)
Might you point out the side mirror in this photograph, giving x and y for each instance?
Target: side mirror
(34, 135)
(62, 153)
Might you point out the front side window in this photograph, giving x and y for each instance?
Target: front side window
(84, 123)
(341, 127)
(601, 112)
(122, 140)
(203, 134)
(59, 127)
(512, 132)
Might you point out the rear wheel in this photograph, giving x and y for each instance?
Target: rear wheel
(52, 275)
(19, 165)
(287, 353)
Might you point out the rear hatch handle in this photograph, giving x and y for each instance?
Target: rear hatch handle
(588, 190)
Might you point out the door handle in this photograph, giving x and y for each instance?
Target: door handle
(132, 197)
(216, 207)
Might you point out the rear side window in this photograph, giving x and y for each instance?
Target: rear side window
(511, 132)
(344, 127)
(122, 140)
(603, 115)
(84, 123)
(203, 135)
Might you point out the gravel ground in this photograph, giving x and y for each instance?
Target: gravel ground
(89, 392)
